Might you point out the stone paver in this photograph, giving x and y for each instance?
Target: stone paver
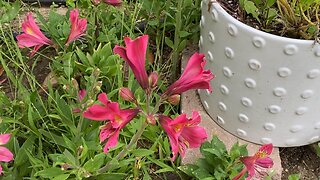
(190, 101)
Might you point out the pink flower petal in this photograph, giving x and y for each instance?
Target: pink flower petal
(106, 132)
(78, 26)
(97, 112)
(5, 154)
(112, 141)
(103, 98)
(114, 2)
(135, 55)
(4, 138)
(267, 148)
(195, 136)
(193, 77)
(81, 94)
(266, 162)
(0, 169)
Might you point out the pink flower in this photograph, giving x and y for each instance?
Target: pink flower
(113, 2)
(135, 55)
(183, 133)
(117, 117)
(32, 36)
(5, 154)
(193, 77)
(258, 160)
(78, 26)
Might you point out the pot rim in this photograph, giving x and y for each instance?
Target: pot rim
(258, 32)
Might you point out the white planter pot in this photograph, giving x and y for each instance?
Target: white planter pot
(267, 88)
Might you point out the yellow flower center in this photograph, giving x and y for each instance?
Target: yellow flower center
(29, 31)
(177, 127)
(117, 118)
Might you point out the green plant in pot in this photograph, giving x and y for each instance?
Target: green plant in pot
(267, 69)
(296, 19)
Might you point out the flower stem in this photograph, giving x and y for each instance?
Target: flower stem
(124, 151)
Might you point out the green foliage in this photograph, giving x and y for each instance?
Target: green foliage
(296, 19)
(318, 149)
(262, 10)
(294, 177)
(216, 163)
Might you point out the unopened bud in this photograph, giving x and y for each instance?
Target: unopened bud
(98, 86)
(151, 119)
(65, 87)
(174, 99)
(153, 79)
(96, 72)
(75, 83)
(79, 150)
(65, 166)
(96, 2)
(126, 94)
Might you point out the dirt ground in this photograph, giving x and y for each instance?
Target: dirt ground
(300, 160)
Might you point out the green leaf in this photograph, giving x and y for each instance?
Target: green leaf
(62, 177)
(169, 42)
(250, 8)
(21, 157)
(85, 149)
(50, 172)
(141, 152)
(294, 177)
(94, 164)
(188, 169)
(183, 34)
(182, 45)
(270, 3)
(111, 176)
(71, 146)
(202, 174)
(70, 158)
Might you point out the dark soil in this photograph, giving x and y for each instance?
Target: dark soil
(300, 160)
(277, 27)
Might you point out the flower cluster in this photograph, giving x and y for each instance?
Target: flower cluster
(32, 36)
(183, 132)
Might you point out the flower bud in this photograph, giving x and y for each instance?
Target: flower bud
(153, 79)
(151, 119)
(79, 150)
(81, 94)
(75, 83)
(65, 166)
(96, 2)
(96, 72)
(174, 99)
(126, 94)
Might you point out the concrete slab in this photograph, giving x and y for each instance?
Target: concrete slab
(190, 101)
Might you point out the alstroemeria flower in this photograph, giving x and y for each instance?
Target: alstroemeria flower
(78, 26)
(193, 77)
(32, 36)
(113, 2)
(5, 154)
(183, 133)
(118, 119)
(135, 55)
(260, 159)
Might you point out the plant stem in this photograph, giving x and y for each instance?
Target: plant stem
(124, 151)
(175, 54)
